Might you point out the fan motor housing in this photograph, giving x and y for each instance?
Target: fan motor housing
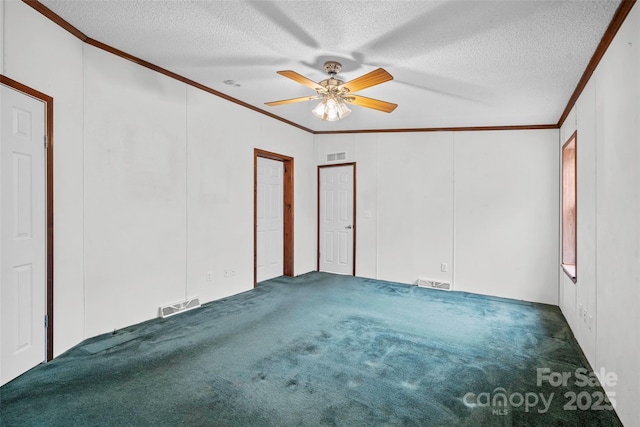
(332, 67)
(329, 83)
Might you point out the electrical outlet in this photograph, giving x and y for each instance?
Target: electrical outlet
(584, 315)
(232, 272)
(444, 267)
(226, 273)
(209, 276)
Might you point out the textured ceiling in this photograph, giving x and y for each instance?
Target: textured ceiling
(455, 63)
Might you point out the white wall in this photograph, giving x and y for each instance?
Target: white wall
(135, 191)
(41, 55)
(485, 203)
(2, 36)
(506, 207)
(152, 190)
(415, 206)
(220, 230)
(607, 119)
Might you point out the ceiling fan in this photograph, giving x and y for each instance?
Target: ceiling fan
(334, 93)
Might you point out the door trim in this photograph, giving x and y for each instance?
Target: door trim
(287, 216)
(355, 229)
(48, 103)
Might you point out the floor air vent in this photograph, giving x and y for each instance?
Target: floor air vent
(434, 284)
(179, 307)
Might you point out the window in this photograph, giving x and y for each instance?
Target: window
(569, 208)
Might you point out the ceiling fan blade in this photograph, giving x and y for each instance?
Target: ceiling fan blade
(299, 78)
(291, 101)
(376, 104)
(370, 79)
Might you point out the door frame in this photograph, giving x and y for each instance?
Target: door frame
(320, 167)
(48, 105)
(287, 215)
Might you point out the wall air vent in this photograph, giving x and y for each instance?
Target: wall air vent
(433, 284)
(334, 157)
(179, 307)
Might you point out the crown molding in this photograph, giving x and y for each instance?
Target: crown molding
(444, 129)
(616, 22)
(48, 13)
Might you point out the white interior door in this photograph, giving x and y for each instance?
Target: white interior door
(270, 232)
(337, 223)
(22, 231)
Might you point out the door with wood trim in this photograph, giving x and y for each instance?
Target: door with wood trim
(270, 235)
(23, 233)
(336, 219)
(287, 211)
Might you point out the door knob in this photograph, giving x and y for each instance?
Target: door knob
(348, 227)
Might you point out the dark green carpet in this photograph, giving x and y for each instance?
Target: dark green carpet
(315, 350)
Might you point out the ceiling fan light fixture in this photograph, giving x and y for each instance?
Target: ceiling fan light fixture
(331, 109)
(335, 93)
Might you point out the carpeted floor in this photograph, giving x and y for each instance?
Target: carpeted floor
(323, 350)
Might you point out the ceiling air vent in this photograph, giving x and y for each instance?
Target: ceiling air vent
(334, 157)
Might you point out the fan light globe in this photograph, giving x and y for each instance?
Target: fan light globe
(343, 110)
(331, 109)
